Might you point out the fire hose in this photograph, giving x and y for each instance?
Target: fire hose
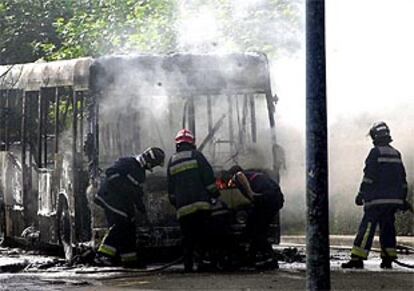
(130, 270)
(179, 260)
(407, 250)
(45, 266)
(288, 255)
(403, 264)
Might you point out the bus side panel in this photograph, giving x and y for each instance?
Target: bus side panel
(11, 190)
(47, 228)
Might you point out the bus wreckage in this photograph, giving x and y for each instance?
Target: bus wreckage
(62, 122)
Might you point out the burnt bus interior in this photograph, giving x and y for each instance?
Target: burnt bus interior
(44, 120)
(63, 122)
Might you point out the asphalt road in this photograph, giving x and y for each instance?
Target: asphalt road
(290, 276)
(281, 280)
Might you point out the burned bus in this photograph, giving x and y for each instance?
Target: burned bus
(63, 122)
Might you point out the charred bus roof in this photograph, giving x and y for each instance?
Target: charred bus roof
(156, 74)
(185, 73)
(33, 76)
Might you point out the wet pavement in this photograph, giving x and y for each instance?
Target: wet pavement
(21, 270)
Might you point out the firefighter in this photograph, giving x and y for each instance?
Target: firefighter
(120, 195)
(382, 192)
(267, 199)
(192, 190)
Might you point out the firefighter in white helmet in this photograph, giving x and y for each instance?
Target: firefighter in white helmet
(120, 195)
(382, 192)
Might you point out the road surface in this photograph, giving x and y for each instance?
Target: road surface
(290, 276)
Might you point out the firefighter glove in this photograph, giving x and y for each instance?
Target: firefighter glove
(358, 200)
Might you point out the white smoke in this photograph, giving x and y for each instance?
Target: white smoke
(197, 29)
(369, 66)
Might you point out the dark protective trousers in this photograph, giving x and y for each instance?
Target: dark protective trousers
(384, 215)
(119, 242)
(193, 228)
(222, 244)
(258, 224)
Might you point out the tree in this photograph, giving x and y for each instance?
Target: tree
(115, 26)
(270, 26)
(26, 23)
(64, 29)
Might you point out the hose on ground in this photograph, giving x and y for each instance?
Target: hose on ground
(403, 264)
(128, 270)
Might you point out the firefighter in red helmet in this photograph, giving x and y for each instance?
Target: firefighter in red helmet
(191, 189)
(383, 190)
(120, 194)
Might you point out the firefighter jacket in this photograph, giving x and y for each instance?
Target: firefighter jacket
(384, 180)
(191, 182)
(267, 191)
(121, 190)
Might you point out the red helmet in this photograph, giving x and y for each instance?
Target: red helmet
(184, 135)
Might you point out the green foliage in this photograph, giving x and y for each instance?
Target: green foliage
(270, 26)
(274, 27)
(64, 29)
(114, 26)
(26, 23)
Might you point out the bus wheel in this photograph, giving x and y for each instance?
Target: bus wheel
(64, 226)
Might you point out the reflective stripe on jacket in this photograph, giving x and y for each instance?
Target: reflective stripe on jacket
(191, 182)
(121, 191)
(384, 180)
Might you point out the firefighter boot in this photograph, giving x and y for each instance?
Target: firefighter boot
(353, 263)
(188, 266)
(386, 263)
(266, 262)
(104, 261)
(188, 263)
